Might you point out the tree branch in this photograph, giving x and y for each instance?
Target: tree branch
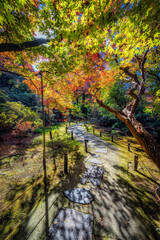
(9, 47)
(129, 110)
(142, 88)
(131, 92)
(131, 107)
(153, 74)
(13, 73)
(139, 60)
(132, 75)
(112, 110)
(20, 75)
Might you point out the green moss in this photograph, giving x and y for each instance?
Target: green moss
(24, 178)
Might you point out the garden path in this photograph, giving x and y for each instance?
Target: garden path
(116, 213)
(113, 210)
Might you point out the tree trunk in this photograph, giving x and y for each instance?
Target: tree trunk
(144, 139)
(51, 137)
(83, 100)
(44, 163)
(49, 116)
(77, 100)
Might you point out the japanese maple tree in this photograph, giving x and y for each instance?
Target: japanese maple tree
(125, 34)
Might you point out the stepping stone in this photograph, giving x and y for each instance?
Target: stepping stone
(96, 176)
(95, 155)
(86, 174)
(79, 195)
(99, 150)
(93, 144)
(100, 146)
(71, 225)
(93, 174)
(94, 160)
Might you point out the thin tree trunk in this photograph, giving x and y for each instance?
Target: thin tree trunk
(51, 137)
(83, 100)
(49, 116)
(77, 100)
(44, 162)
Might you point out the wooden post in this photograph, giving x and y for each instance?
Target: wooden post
(100, 134)
(86, 127)
(69, 123)
(72, 135)
(65, 163)
(135, 162)
(85, 141)
(129, 147)
(49, 116)
(93, 131)
(50, 135)
(66, 129)
(112, 137)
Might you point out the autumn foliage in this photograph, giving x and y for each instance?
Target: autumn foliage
(23, 129)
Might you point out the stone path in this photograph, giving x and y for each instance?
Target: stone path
(71, 225)
(115, 213)
(86, 174)
(95, 177)
(94, 160)
(93, 174)
(79, 195)
(112, 208)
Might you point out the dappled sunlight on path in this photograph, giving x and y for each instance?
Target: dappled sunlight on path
(116, 206)
(115, 212)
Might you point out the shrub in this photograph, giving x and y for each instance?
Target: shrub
(23, 129)
(14, 113)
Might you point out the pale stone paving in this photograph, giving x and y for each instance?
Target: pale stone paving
(71, 225)
(114, 216)
(79, 195)
(112, 210)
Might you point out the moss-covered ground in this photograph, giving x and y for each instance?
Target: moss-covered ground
(21, 179)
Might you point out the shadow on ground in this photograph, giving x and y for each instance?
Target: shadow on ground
(33, 227)
(122, 211)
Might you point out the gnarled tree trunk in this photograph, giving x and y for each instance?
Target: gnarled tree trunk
(145, 140)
